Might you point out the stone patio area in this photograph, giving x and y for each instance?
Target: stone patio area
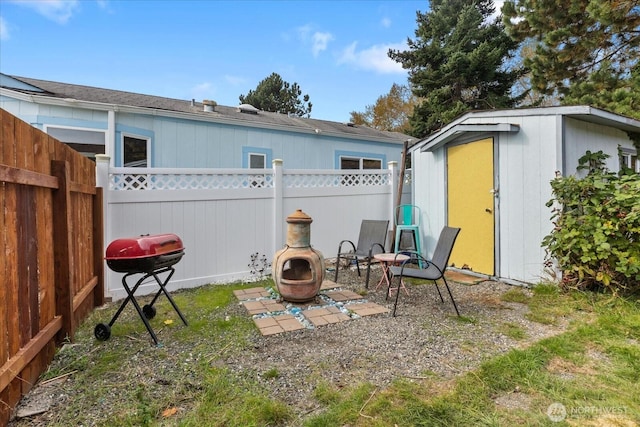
(332, 305)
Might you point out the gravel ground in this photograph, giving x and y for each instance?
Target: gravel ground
(425, 339)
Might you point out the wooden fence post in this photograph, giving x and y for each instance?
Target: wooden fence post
(98, 247)
(62, 250)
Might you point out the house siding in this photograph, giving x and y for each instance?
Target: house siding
(180, 143)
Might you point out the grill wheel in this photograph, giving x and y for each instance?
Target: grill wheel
(102, 331)
(149, 311)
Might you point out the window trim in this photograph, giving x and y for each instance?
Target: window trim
(626, 157)
(360, 156)
(248, 151)
(124, 135)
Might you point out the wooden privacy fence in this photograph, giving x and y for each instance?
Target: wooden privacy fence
(51, 242)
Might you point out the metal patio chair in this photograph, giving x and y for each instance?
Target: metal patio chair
(372, 238)
(418, 267)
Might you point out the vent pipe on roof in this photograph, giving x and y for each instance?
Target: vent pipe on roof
(209, 105)
(247, 108)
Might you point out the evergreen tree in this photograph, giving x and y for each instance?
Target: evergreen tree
(586, 51)
(457, 62)
(275, 95)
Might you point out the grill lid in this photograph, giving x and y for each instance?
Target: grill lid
(143, 246)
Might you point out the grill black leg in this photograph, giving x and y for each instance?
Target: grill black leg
(138, 309)
(162, 289)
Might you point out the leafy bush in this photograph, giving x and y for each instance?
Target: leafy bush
(596, 238)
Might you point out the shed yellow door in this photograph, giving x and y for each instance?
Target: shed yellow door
(471, 204)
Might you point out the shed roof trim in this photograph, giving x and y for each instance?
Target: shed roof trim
(440, 139)
(578, 112)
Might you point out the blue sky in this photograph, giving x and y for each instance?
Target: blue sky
(335, 50)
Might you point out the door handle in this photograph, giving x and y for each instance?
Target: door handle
(487, 210)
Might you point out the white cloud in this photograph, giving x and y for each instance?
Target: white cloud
(4, 29)
(59, 11)
(386, 22)
(320, 42)
(374, 58)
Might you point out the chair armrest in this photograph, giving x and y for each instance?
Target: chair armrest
(371, 253)
(414, 256)
(353, 247)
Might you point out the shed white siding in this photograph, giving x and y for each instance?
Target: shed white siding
(525, 162)
(581, 136)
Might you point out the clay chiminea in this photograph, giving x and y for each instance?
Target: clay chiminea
(298, 269)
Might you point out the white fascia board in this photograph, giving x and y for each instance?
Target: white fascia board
(100, 106)
(456, 131)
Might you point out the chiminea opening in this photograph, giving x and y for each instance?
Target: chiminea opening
(298, 269)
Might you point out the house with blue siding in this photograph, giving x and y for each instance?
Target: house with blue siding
(152, 131)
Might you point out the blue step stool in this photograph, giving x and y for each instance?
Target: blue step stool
(407, 218)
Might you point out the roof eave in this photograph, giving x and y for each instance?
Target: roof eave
(100, 106)
(454, 132)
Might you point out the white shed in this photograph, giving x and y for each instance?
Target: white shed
(489, 173)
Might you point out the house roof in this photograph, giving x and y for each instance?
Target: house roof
(462, 126)
(79, 96)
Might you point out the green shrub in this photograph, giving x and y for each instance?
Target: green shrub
(596, 238)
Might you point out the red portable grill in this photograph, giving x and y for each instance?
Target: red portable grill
(151, 256)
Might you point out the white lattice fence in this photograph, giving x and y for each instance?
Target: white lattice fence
(162, 179)
(197, 179)
(311, 179)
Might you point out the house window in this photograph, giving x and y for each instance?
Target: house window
(256, 157)
(86, 141)
(347, 162)
(629, 160)
(135, 152)
(257, 161)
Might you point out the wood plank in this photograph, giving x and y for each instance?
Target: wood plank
(10, 369)
(6, 407)
(77, 187)
(4, 312)
(8, 146)
(46, 289)
(11, 273)
(24, 139)
(24, 321)
(41, 162)
(21, 176)
(63, 250)
(32, 273)
(86, 291)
